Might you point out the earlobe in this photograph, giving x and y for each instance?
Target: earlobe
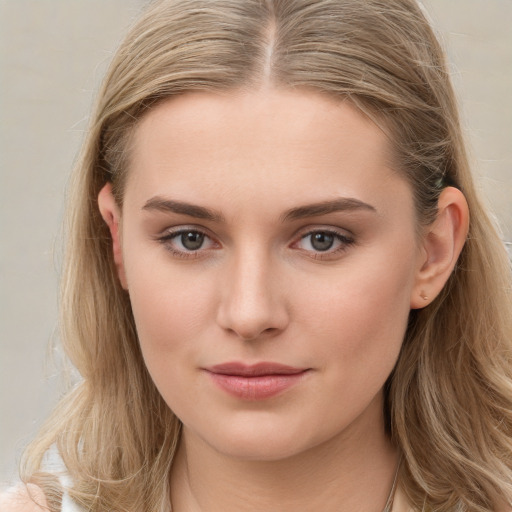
(111, 215)
(442, 245)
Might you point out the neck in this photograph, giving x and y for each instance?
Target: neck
(353, 471)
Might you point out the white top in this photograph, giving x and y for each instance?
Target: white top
(53, 463)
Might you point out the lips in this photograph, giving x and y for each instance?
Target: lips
(255, 382)
(254, 370)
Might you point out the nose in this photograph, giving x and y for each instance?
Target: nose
(252, 302)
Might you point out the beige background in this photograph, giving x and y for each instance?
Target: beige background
(53, 54)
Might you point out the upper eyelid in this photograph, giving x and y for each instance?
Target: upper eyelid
(176, 230)
(345, 241)
(171, 233)
(167, 237)
(307, 230)
(340, 236)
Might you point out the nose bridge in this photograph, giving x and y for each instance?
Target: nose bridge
(251, 302)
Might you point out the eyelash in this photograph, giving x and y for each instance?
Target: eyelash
(170, 236)
(344, 243)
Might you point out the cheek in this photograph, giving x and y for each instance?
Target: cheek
(169, 319)
(170, 308)
(362, 308)
(166, 317)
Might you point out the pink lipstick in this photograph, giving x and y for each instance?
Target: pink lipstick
(257, 381)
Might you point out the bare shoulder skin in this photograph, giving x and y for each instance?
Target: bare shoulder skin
(23, 499)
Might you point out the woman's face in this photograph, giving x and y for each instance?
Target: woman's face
(270, 254)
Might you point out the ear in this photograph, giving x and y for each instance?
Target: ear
(441, 246)
(112, 215)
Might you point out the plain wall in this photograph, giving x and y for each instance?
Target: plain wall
(53, 54)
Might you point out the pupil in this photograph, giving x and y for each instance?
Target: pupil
(322, 241)
(192, 240)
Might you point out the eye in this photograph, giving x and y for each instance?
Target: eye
(320, 241)
(325, 242)
(191, 240)
(187, 242)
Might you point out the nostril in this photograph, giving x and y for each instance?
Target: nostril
(251, 329)
(266, 333)
(251, 305)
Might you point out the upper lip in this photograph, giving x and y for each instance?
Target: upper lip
(254, 370)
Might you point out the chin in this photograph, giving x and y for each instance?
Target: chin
(263, 450)
(264, 441)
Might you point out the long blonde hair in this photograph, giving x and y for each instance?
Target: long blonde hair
(449, 399)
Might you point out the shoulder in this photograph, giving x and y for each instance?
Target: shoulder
(400, 503)
(29, 498)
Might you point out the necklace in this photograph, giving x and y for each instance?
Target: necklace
(389, 501)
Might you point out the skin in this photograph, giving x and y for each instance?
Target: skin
(258, 289)
(23, 499)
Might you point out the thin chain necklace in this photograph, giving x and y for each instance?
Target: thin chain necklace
(389, 502)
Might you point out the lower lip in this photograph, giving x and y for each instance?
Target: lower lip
(258, 387)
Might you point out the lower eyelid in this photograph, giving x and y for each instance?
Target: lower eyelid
(190, 255)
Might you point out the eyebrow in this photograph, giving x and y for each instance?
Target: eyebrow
(169, 205)
(158, 203)
(326, 207)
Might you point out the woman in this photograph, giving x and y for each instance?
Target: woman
(281, 290)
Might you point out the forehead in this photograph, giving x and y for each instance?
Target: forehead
(293, 145)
